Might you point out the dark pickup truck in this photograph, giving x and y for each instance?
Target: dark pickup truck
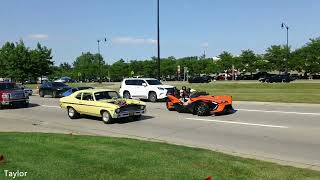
(12, 95)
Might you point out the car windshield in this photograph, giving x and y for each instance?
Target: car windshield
(106, 95)
(58, 84)
(8, 86)
(154, 82)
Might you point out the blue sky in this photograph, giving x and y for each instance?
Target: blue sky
(187, 26)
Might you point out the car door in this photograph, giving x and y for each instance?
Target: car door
(46, 88)
(141, 90)
(88, 104)
(130, 86)
(76, 103)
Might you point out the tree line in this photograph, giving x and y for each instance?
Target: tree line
(305, 59)
(21, 63)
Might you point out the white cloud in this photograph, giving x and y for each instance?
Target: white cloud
(134, 41)
(204, 45)
(37, 36)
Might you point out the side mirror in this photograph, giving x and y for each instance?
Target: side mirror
(144, 84)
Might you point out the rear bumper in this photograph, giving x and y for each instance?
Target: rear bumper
(130, 113)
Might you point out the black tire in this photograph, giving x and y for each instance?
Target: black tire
(167, 102)
(26, 105)
(180, 108)
(137, 118)
(41, 94)
(126, 95)
(1, 107)
(202, 109)
(106, 117)
(152, 97)
(54, 94)
(72, 113)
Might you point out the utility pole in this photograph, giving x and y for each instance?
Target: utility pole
(158, 30)
(100, 71)
(283, 25)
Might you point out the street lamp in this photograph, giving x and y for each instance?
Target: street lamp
(100, 72)
(158, 31)
(283, 25)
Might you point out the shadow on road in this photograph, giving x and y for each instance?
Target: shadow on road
(226, 114)
(31, 105)
(118, 121)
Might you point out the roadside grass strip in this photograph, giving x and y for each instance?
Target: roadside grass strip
(68, 156)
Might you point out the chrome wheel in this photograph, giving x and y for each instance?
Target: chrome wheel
(106, 118)
(72, 113)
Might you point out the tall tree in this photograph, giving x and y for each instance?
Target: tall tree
(89, 66)
(41, 61)
(308, 57)
(119, 70)
(276, 55)
(248, 61)
(226, 61)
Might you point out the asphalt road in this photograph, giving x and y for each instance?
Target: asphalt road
(285, 133)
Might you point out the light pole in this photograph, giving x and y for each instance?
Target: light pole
(283, 25)
(158, 32)
(100, 72)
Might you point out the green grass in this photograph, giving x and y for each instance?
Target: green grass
(53, 156)
(303, 92)
(296, 92)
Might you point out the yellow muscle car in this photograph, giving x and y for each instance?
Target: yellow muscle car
(103, 103)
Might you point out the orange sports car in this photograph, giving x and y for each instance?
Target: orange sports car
(201, 104)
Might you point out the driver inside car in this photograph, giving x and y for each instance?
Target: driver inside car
(185, 94)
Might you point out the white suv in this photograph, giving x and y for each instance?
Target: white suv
(144, 88)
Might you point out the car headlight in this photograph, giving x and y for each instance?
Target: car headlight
(5, 96)
(162, 89)
(117, 111)
(142, 107)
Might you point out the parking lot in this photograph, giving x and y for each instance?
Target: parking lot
(287, 133)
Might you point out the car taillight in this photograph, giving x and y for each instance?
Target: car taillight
(5, 96)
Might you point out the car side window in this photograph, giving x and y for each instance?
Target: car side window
(78, 96)
(140, 82)
(130, 82)
(87, 97)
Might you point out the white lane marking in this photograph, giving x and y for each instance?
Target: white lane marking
(240, 123)
(284, 112)
(50, 106)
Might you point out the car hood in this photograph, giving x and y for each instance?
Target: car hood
(123, 102)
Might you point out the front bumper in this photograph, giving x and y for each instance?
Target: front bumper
(15, 102)
(162, 95)
(129, 113)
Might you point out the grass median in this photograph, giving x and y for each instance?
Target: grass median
(58, 156)
(295, 92)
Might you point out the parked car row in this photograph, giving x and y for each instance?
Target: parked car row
(277, 78)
